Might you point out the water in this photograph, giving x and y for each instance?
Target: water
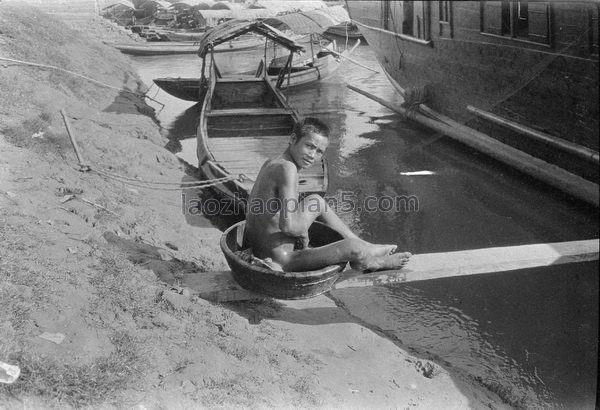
(530, 335)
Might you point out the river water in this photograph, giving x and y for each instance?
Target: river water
(529, 335)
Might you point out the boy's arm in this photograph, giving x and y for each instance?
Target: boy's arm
(287, 186)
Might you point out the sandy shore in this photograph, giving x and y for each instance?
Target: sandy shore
(90, 309)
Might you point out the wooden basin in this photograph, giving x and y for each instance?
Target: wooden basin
(281, 285)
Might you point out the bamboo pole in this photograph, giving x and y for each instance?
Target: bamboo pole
(351, 59)
(82, 165)
(567, 146)
(551, 174)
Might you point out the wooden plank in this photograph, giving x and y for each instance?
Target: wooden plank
(248, 111)
(478, 261)
(216, 286)
(221, 287)
(252, 138)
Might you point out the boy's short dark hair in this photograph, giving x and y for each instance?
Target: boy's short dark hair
(310, 125)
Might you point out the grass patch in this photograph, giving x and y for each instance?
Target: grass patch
(35, 133)
(63, 383)
(121, 287)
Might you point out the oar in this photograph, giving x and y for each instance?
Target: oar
(351, 59)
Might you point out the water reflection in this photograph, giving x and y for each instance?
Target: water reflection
(540, 354)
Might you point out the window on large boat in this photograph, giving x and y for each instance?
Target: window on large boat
(594, 25)
(410, 18)
(445, 18)
(528, 20)
(445, 11)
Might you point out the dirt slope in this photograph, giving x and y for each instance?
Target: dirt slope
(88, 310)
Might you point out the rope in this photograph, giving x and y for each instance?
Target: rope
(175, 186)
(81, 76)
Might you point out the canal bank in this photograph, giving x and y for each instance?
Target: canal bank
(90, 310)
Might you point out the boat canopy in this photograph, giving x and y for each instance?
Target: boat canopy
(225, 5)
(235, 28)
(215, 15)
(114, 3)
(159, 3)
(289, 5)
(309, 22)
(200, 4)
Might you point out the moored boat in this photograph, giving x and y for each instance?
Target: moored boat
(184, 47)
(172, 35)
(524, 73)
(245, 120)
(344, 30)
(188, 89)
(306, 72)
(281, 285)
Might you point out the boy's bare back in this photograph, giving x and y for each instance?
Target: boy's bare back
(264, 207)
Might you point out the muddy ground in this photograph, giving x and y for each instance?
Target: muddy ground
(90, 310)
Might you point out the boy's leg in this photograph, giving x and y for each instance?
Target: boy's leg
(359, 253)
(315, 206)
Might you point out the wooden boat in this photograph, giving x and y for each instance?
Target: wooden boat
(171, 35)
(525, 74)
(152, 48)
(280, 285)
(307, 72)
(322, 65)
(189, 89)
(245, 120)
(344, 30)
(156, 48)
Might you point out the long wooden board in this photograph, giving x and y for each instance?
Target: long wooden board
(221, 287)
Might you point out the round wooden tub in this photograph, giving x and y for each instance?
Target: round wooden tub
(281, 285)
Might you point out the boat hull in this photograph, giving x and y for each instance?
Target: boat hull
(310, 72)
(188, 89)
(244, 122)
(184, 47)
(544, 87)
(280, 285)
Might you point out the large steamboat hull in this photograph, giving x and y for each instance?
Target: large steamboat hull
(551, 90)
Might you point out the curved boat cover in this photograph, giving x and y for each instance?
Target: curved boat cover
(161, 3)
(235, 28)
(204, 4)
(290, 5)
(113, 3)
(312, 21)
(225, 5)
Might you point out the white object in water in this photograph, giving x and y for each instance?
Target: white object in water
(412, 173)
(8, 373)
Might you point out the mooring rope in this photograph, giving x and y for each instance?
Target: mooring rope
(81, 76)
(171, 186)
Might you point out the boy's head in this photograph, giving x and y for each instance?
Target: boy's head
(309, 141)
(310, 125)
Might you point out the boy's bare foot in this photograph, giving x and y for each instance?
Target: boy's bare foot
(388, 262)
(376, 250)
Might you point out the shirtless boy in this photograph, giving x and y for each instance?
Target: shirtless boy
(275, 233)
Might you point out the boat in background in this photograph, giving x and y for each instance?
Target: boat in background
(156, 34)
(524, 73)
(344, 30)
(188, 89)
(245, 119)
(157, 48)
(323, 61)
(306, 72)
